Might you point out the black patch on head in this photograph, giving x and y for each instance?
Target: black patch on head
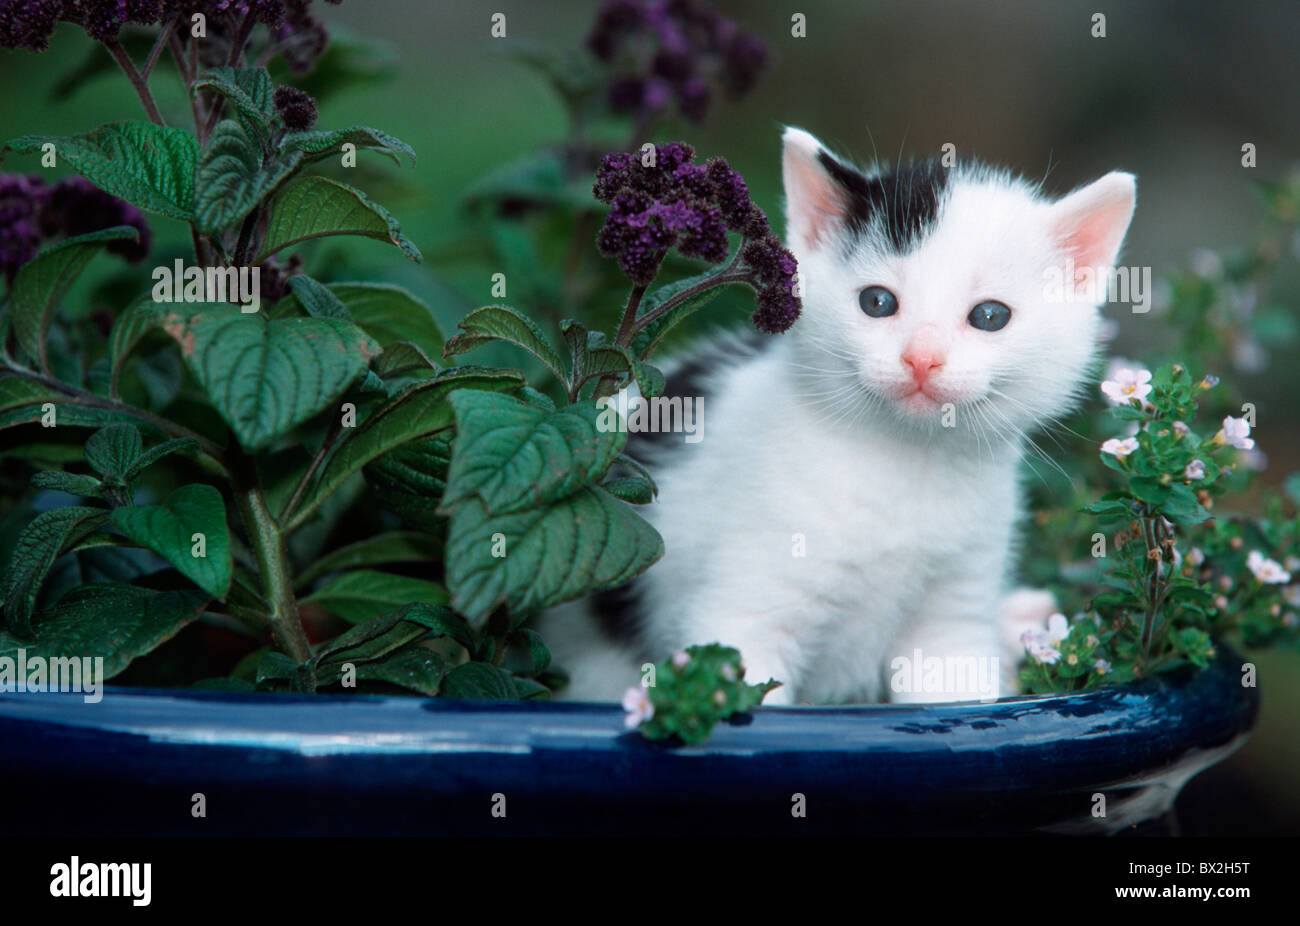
(904, 203)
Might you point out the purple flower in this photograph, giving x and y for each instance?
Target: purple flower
(296, 108)
(75, 206)
(20, 235)
(28, 23)
(669, 201)
(102, 19)
(661, 51)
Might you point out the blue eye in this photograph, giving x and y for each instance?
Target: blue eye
(877, 301)
(989, 316)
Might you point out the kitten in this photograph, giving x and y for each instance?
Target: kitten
(855, 496)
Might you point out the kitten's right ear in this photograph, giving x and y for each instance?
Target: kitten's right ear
(816, 204)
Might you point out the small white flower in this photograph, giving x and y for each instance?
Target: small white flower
(1206, 264)
(1236, 431)
(1102, 666)
(1181, 428)
(636, 701)
(1126, 385)
(728, 672)
(1290, 620)
(1268, 571)
(1195, 470)
(1291, 595)
(1120, 448)
(1291, 563)
(1058, 628)
(681, 658)
(1195, 557)
(1041, 644)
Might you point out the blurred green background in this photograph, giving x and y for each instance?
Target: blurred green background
(1171, 93)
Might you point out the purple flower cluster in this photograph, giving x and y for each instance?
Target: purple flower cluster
(301, 37)
(670, 201)
(296, 108)
(32, 211)
(673, 50)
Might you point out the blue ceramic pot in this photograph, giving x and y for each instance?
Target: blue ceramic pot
(266, 764)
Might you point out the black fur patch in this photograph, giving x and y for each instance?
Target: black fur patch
(904, 202)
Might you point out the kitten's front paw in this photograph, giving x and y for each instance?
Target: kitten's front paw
(1024, 609)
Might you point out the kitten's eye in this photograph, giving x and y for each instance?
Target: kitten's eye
(989, 316)
(877, 301)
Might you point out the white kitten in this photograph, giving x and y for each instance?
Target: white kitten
(854, 500)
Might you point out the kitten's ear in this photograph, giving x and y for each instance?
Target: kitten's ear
(1090, 223)
(816, 203)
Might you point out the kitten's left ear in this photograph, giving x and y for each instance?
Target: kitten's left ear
(1090, 223)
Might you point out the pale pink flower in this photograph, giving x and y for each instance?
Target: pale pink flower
(1128, 384)
(636, 701)
(1120, 448)
(1268, 571)
(1195, 470)
(1236, 431)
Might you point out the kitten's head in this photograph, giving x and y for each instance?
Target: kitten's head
(932, 285)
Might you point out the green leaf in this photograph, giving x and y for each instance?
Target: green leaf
(391, 314)
(115, 622)
(150, 166)
(535, 178)
(72, 483)
(502, 323)
(648, 340)
(379, 636)
(42, 282)
(632, 489)
(421, 410)
(111, 451)
(402, 358)
(322, 143)
(315, 207)
(265, 378)
(514, 456)
(539, 656)
(584, 543)
(317, 300)
(39, 544)
(1182, 507)
(129, 329)
(392, 547)
(478, 681)
(1291, 485)
(168, 529)
(363, 594)
(249, 89)
(232, 177)
(415, 667)
(156, 453)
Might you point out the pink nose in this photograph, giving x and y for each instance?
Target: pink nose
(922, 362)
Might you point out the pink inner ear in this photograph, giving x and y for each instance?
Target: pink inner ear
(1092, 239)
(817, 204)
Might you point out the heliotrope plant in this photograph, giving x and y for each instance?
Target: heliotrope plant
(302, 474)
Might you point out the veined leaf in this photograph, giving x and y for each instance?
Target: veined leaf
(41, 542)
(317, 300)
(363, 594)
(150, 166)
(515, 456)
(391, 314)
(129, 329)
(315, 207)
(232, 177)
(250, 90)
(392, 547)
(111, 451)
(115, 622)
(169, 530)
(420, 410)
(41, 283)
(502, 323)
(264, 377)
(586, 542)
(323, 143)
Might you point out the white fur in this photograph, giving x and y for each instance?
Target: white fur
(908, 526)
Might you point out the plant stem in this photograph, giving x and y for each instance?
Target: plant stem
(721, 279)
(163, 37)
(628, 328)
(306, 479)
(139, 83)
(272, 563)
